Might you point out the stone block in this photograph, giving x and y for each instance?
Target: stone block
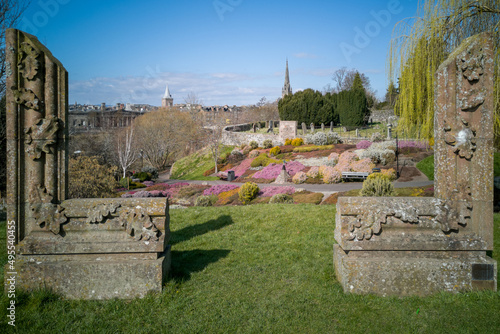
(409, 273)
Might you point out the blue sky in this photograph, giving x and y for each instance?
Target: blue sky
(225, 51)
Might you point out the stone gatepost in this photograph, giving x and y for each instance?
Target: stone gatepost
(304, 129)
(420, 246)
(80, 248)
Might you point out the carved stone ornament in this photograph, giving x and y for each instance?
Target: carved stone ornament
(44, 213)
(138, 224)
(40, 136)
(452, 215)
(28, 62)
(27, 98)
(449, 215)
(463, 141)
(471, 65)
(99, 214)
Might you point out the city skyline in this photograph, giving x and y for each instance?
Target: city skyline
(226, 52)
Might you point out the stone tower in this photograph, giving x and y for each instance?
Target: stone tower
(287, 89)
(167, 101)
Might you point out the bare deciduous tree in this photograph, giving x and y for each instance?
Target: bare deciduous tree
(127, 153)
(213, 135)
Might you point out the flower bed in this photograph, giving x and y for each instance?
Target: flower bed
(271, 191)
(242, 167)
(220, 188)
(273, 170)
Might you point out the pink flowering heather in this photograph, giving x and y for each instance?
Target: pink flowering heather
(273, 170)
(156, 193)
(331, 175)
(364, 144)
(413, 144)
(242, 167)
(271, 191)
(348, 157)
(148, 183)
(363, 166)
(141, 194)
(220, 188)
(313, 172)
(299, 178)
(334, 157)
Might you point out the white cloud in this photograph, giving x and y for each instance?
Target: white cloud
(212, 89)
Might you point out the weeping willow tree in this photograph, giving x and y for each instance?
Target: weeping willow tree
(420, 44)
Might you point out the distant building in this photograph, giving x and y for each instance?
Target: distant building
(85, 118)
(167, 101)
(287, 89)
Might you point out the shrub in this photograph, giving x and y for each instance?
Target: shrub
(253, 144)
(288, 141)
(331, 175)
(333, 138)
(390, 173)
(272, 171)
(90, 179)
(263, 160)
(319, 138)
(364, 144)
(206, 200)
(377, 155)
(268, 143)
(218, 189)
(248, 192)
(254, 154)
(228, 197)
(298, 142)
(271, 191)
(299, 178)
(377, 184)
(363, 166)
(334, 157)
(376, 137)
(275, 150)
(150, 170)
(313, 172)
(312, 148)
(142, 176)
(281, 199)
(242, 167)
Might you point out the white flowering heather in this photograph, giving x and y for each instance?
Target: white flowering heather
(333, 138)
(320, 139)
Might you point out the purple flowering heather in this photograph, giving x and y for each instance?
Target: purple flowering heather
(271, 191)
(273, 170)
(220, 188)
(242, 167)
(364, 144)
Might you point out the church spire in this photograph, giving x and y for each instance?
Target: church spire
(167, 101)
(287, 89)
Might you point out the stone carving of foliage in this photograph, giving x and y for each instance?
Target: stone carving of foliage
(101, 212)
(27, 98)
(28, 63)
(364, 226)
(471, 65)
(453, 215)
(43, 212)
(138, 224)
(463, 142)
(40, 136)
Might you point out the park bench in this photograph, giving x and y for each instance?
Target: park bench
(355, 175)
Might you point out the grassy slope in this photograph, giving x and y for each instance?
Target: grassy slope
(193, 166)
(426, 166)
(260, 269)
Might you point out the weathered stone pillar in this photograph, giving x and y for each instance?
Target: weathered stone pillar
(89, 249)
(420, 246)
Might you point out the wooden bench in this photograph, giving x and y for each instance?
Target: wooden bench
(355, 175)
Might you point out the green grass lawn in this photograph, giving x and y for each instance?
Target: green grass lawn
(193, 166)
(426, 166)
(256, 269)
